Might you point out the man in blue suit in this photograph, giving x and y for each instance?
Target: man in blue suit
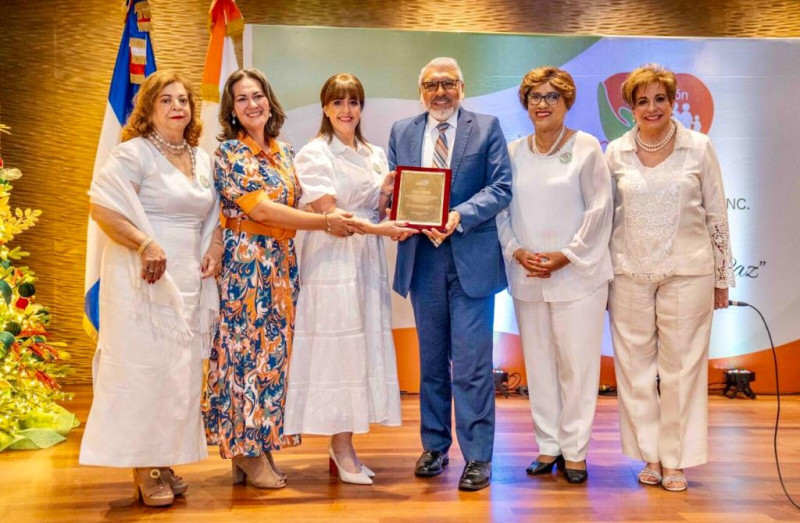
(452, 279)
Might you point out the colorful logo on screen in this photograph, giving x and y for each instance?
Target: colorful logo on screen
(694, 106)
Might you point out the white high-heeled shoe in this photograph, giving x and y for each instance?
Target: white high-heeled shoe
(356, 478)
(367, 471)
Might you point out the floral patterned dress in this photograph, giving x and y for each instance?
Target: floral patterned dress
(245, 392)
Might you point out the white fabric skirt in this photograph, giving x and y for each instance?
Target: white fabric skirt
(147, 388)
(343, 371)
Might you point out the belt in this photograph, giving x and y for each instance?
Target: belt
(238, 225)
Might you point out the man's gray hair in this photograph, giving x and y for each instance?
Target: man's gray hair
(442, 62)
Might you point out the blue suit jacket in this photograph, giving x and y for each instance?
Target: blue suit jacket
(480, 188)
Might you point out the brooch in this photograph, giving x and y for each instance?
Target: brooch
(376, 168)
(204, 181)
(565, 157)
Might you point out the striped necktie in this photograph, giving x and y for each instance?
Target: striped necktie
(440, 149)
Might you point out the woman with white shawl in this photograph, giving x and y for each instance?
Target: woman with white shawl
(154, 200)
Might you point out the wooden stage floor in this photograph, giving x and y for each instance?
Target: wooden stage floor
(738, 484)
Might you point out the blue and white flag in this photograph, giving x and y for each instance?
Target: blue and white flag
(135, 62)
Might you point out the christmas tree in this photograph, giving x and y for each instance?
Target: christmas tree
(29, 364)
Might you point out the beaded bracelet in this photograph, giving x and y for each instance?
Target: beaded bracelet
(327, 223)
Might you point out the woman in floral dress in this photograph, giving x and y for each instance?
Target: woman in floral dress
(254, 174)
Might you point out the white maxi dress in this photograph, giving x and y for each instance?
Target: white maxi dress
(147, 389)
(343, 371)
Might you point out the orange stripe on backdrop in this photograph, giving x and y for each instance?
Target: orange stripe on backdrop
(213, 65)
(225, 19)
(508, 356)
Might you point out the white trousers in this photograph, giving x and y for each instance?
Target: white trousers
(561, 342)
(663, 329)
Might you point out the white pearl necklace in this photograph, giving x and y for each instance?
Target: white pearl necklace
(552, 149)
(653, 147)
(183, 146)
(159, 144)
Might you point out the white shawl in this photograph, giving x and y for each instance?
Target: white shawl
(158, 307)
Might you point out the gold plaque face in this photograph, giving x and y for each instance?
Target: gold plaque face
(421, 197)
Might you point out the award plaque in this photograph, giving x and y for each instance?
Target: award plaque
(421, 197)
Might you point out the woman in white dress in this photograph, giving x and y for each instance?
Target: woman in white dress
(343, 373)
(158, 300)
(555, 241)
(672, 258)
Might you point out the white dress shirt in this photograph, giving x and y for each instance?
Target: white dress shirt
(670, 219)
(432, 134)
(560, 203)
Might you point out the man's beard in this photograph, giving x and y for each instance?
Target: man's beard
(442, 114)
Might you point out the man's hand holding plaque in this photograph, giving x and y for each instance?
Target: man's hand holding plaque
(437, 236)
(422, 199)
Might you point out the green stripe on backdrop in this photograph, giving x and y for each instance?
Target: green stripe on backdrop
(297, 60)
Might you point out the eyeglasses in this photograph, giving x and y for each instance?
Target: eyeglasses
(549, 98)
(447, 85)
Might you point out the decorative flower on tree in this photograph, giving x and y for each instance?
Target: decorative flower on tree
(29, 363)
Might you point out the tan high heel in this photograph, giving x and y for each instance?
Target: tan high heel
(258, 470)
(151, 488)
(176, 483)
(274, 466)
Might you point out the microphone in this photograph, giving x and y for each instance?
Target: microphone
(735, 303)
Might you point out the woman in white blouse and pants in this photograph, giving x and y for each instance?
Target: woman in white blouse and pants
(555, 237)
(672, 258)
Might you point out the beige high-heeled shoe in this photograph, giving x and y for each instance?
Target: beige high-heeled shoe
(176, 483)
(274, 466)
(258, 470)
(151, 488)
(356, 478)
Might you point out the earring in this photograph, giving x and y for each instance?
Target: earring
(233, 118)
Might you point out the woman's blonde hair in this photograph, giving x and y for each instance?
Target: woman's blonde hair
(646, 75)
(231, 127)
(560, 79)
(140, 122)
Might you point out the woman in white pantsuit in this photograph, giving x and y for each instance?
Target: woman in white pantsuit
(671, 253)
(554, 236)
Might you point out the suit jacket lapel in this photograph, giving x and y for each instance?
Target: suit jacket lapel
(417, 136)
(463, 130)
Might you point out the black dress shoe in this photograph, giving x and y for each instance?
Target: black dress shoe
(431, 463)
(538, 468)
(573, 475)
(477, 475)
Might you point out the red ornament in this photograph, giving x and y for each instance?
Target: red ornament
(21, 303)
(1, 162)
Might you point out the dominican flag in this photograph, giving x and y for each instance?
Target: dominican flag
(225, 21)
(135, 62)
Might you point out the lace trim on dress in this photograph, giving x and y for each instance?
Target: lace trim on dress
(652, 212)
(723, 264)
